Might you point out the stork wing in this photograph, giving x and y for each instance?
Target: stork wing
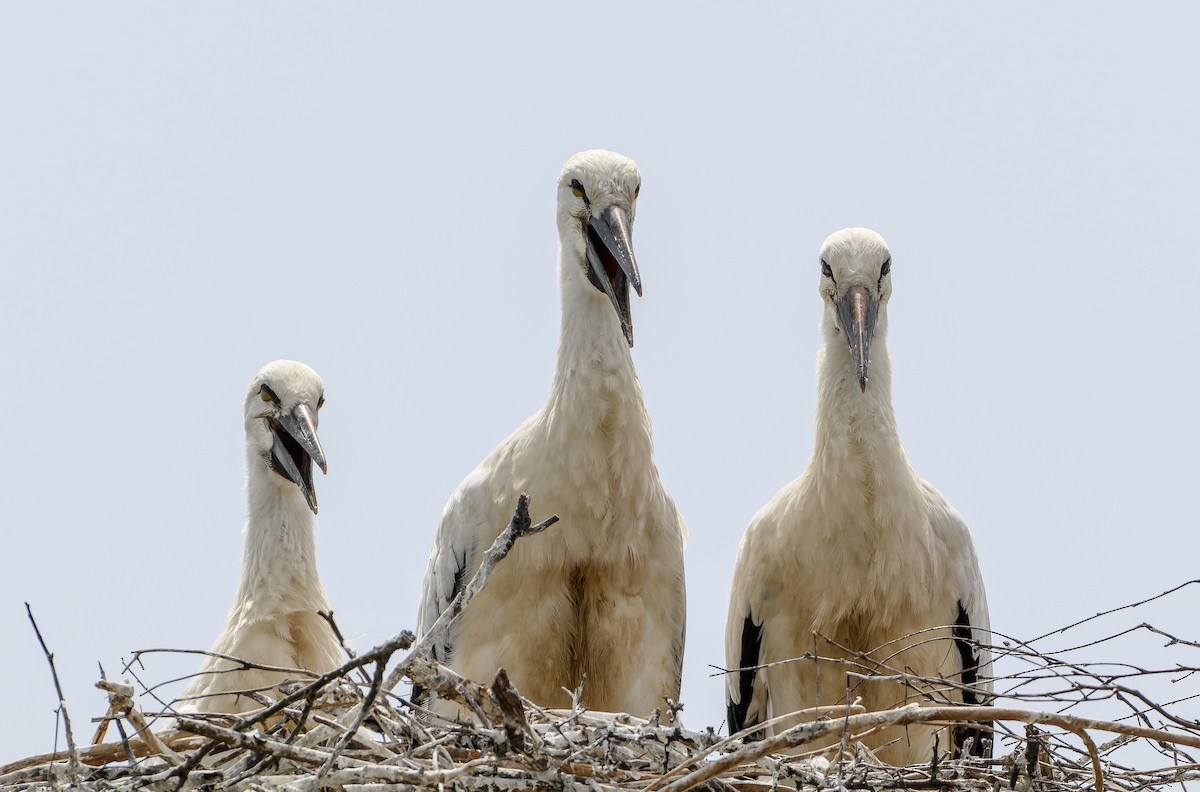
(746, 694)
(679, 638)
(972, 625)
(972, 638)
(740, 704)
(452, 560)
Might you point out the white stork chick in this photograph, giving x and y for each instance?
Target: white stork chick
(859, 549)
(600, 594)
(274, 618)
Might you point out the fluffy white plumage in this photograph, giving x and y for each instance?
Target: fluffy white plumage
(858, 549)
(602, 592)
(274, 618)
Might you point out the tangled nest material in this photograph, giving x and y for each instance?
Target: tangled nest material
(348, 729)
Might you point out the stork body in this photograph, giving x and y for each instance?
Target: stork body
(858, 553)
(601, 593)
(274, 619)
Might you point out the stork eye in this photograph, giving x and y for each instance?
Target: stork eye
(886, 268)
(825, 270)
(267, 395)
(577, 189)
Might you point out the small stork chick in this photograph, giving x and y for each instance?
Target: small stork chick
(859, 550)
(274, 620)
(600, 594)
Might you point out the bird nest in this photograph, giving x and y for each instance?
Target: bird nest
(349, 729)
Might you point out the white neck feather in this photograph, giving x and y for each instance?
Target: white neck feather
(844, 410)
(869, 506)
(594, 422)
(279, 561)
(856, 436)
(594, 371)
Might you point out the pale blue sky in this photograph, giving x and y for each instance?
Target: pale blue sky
(188, 191)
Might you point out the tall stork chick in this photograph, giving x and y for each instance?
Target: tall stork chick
(274, 618)
(602, 593)
(859, 552)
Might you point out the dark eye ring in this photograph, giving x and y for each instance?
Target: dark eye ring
(886, 268)
(825, 270)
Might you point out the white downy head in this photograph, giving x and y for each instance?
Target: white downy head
(281, 426)
(597, 201)
(855, 286)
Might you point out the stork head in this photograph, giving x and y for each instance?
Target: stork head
(856, 282)
(597, 199)
(281, 423)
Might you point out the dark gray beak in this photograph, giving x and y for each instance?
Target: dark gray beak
(857, 311)
(611, 265)
(295, 448)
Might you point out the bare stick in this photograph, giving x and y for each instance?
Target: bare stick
(258, 743)
(411, 778)
(242, 665)
(516, 726)
(102, 729)
(520, 526)
(449, 685)
(102, 754)
(1131, 605)
(337, 632)
(341, 639)
(811, 712)
(73, 767)
(120, 698)
(363, 710)
(1171, 639)
(484, 721)
(382, 652)
(1094, 754)
(804, 733)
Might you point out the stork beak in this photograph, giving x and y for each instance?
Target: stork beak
(295, 448)
(611, 265)
(857, 312)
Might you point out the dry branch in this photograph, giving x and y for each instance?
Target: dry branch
(257, 742)
(343, 729)
(613, 752)
(512, 711)
(73, 768)
(120, 705)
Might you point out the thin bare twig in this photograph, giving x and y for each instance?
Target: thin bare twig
(808, 732)
(73, 765)
(121, 705)
(363, 710)
(347, 734)
(1131, 605)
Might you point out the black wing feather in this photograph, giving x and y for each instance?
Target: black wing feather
(748, 661)
(981, 733)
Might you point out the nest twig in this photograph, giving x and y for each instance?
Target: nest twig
(348, 728)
